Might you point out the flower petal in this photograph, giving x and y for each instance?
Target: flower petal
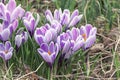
(27, 25)
(11, 5)
(38, 31)
(40, 40)
(65, 19)
(88, 28)
(93, 31)
(57, 15)
(5, 34)
(74, 33)
(56, 49)
(66, 47)
(78, 45)
(15, 25)
(82, 30)
(18, 12)
(2, 48)
(90, 41)
(48, 36)
(8, 55)
(7, 16)
(38, 19)
(49, 15)
(45, 56)
(7, 45)
(18, 40)
(2, 54)
(75, 13)
(44, 47)
(75, 20)
(2, 11)
(52, 47)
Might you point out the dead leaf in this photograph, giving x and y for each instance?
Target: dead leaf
(97, 47)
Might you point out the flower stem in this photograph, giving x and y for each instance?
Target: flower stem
(5, 64)
(50, 74)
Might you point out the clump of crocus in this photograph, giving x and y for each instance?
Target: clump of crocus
(21, 38)
(10, 12)
(68, 42)
(49, 52)
(9, 15)
(45, 34)
(88, 33)
(30, 22)
(6, 50)
(64, 18)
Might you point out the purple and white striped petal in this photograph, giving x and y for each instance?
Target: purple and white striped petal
(11, 5)
(49, 15)
(18, 12)
(75, 20)
(75, 13)
(5, 34)
(90, 41)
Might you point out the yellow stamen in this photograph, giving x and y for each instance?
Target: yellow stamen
(49, 52)
(84, 36)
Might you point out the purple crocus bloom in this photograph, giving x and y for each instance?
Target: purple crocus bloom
(64, 18)
(70, 42)
(21, 38)
(64, 43)
(5, 32)
(9, 15)
(10, 11)
(77, 40)
(89, 34)
(45, 34)
(30, 22)
(6, 50)
(57, 26)
(49, 52)
(2, 11)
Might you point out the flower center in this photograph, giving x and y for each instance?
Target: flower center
(6, 51)
(49, 52)
(84, 36)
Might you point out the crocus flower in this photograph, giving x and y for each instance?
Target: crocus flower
(21, 38)
(77, 40)
(30, 22)
(9, 15)
(57, 26)
(5, 32)
(64, 18)
(70, 42)
(6, 50)
(49, 52)
(10, 11)
(89, 34)
(63, 41)
(45, 34)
